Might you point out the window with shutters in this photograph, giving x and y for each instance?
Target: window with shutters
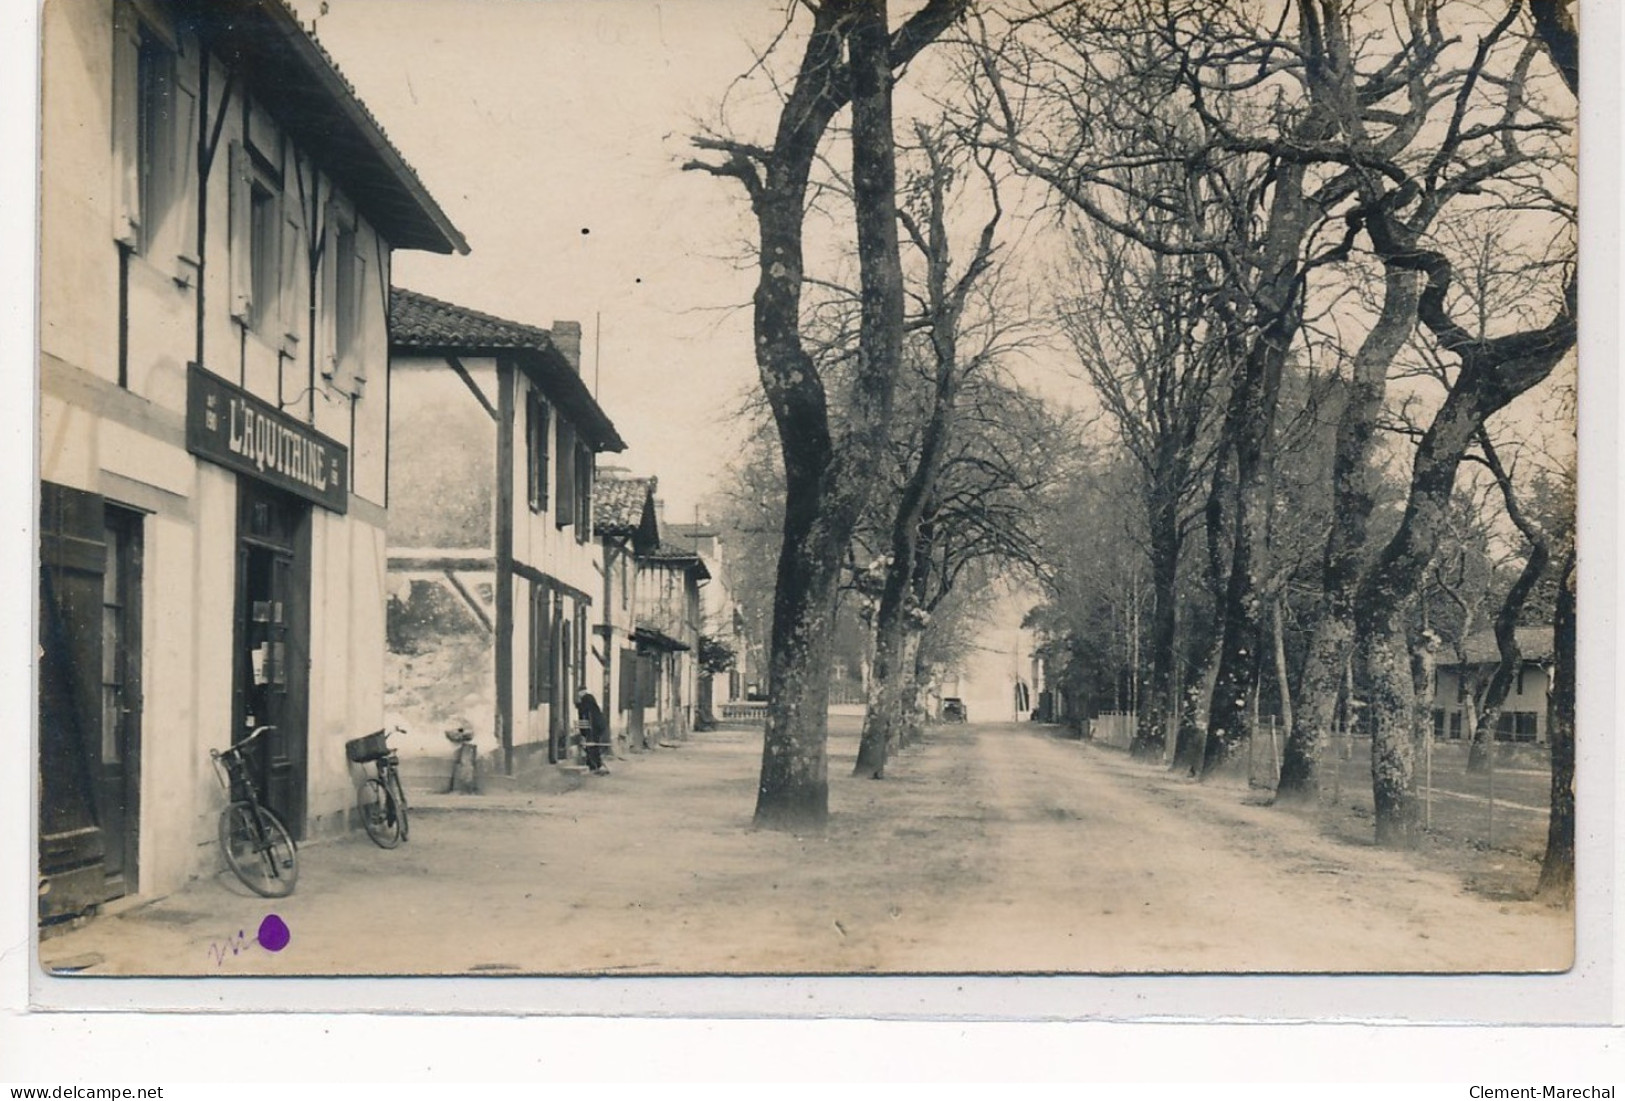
(154, 136)
(344, 283)
(257, 244)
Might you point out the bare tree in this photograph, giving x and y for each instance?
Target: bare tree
(1166, 124)
(944, 297)
(850, 58)
(1139, 326)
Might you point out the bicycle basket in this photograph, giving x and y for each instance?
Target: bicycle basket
(369, 748)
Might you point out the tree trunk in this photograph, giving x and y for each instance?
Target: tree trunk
(1557, 868)
(1385, 599)
(1250, 421)
(883, 718)
(1355, 481)
(1283, 684)
(794, 789)
(1391, 704)
(1191, 739)
(914, 677)
(849, 58)
(1161, 709)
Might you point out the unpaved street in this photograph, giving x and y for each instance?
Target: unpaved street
(988, 849)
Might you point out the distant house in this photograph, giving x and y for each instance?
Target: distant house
(668, 619)
(625, 522)
(218, 213)
(722, 619)
(493, 564)
(1461, 682)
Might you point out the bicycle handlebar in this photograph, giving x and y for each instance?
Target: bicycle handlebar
(236, 750)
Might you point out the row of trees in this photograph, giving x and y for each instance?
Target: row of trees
(1268, 226)
(1293, 214)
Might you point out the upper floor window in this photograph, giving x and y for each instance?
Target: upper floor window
(345, 283)
(265, 243)
(256, 243)
(538, 418)
(154, 132)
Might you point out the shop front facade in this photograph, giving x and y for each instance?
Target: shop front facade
(213, 431)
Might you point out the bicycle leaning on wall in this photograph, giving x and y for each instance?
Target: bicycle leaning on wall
(257, 846)
(383, 800)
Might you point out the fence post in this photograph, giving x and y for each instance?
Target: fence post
(1491, 841)
(1427, 779)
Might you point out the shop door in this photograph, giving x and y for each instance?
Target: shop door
(119, 758)
(273, 644)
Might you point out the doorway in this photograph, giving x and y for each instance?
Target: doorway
(271, 648)
(120, 758)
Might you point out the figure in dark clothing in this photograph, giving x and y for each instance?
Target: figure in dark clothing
(594, 731)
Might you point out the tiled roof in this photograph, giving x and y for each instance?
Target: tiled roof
(419, 321)
(675, 551)
(421, 325)
(1534, 644)
(618, 503)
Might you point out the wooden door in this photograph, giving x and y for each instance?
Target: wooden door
(119, 762)
(272, 644)
(73, 556)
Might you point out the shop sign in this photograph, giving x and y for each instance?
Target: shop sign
(227, 425)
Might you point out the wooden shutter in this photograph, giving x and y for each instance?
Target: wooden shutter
(541, 645)
(565, 506)
(126, 126)
(183, 183)
(327, 305)
(583, 493)
(626, 694)
(354, 365)
(293, 299)
(543, 429)
(241, 248)
(73, 558)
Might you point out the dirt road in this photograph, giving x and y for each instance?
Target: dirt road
(988, 849)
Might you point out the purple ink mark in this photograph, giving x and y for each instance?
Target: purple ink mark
(231, 946)
(274, 934)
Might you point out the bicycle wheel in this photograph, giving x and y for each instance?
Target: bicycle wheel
(261, 854)
(400, 799)
(380, 814)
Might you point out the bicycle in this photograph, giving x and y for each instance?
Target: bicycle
(383, 800)
(258, 847)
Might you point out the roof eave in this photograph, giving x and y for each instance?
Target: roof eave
(432, 229)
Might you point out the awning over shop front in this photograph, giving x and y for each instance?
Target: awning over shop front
(648, 636)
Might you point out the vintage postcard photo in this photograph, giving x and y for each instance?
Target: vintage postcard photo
(807, 487)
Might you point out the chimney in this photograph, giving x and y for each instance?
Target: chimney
(567, 339)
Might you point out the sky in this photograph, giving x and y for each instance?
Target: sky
(552, 133)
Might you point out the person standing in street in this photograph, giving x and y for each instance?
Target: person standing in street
(594, 730)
